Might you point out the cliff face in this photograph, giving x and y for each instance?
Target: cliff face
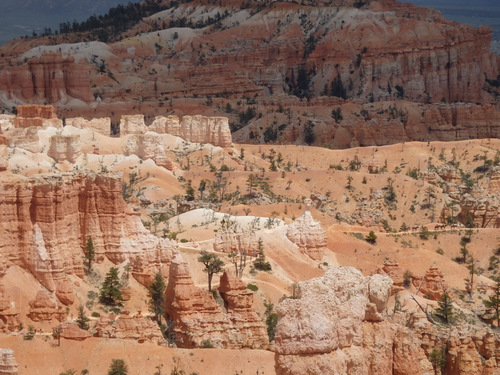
(49, 78)
(50, 219)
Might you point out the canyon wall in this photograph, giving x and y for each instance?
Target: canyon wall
(49, 219)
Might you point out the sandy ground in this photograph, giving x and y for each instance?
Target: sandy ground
(43, 356)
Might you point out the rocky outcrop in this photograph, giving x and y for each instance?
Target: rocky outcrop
(326, 330)
(44, 308)
(132, 124)
(50, 219)
(129, 327)
(71, 331)
(369, 210)
(330, 329)
(198, 318)
(64, 147)
(195, 129)
(36, 115)
(392, 269)
(484, 210)
(308, 235)
(9, 315)
(494, 184)
(148, 146)
(99, 125)
(8, 364)
(238, 240)
(468, 349)
(432, 285)
(49, 78)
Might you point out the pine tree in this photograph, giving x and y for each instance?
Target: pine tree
(213, 264)
(89, 253)
(474, 269)
(156, 293)
(445, 308)
(111, 293)
(260, 263)
(82, 321)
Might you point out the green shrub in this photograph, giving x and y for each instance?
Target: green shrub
(252, 287)
(206, 344)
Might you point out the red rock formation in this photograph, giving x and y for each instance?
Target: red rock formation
(308, 235)
(432, 285)
(391, 268)
(36, 115)
(49, 78)
(71, 331)
(130, 327)
(50, 219)
(484, 210)
(197, 317)
(8, 364)
(43, 308)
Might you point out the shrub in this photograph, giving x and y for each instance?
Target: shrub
(118, 367)
(371, 237)
(252, 287)
(206, 344)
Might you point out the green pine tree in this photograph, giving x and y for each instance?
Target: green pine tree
(445, 309)
(156, 293)
(82, 321)
(111, 293)
(89, 253)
